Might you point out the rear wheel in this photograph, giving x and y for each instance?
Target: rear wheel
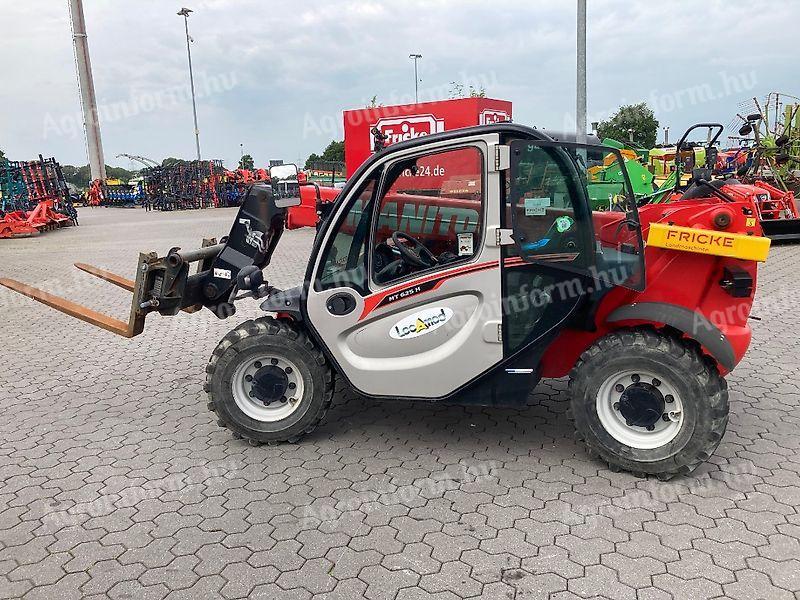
(268, 383)
(648, 403)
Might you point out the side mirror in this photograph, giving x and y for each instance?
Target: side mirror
(285, 184)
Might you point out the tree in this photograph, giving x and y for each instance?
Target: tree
(77, 176)
(173, 162)
(312, 158)
(80, 176)
(334, 152)
(247, 163)
(637, 117)
(2, 155)
(118, 173)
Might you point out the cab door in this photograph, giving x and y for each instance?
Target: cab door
(424, 319)
(565, 253)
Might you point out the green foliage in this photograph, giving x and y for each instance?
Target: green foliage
(77, 176)
(2, 155)
(374, 102)
(119, 173)
(80, 177)
(638, 117)
(312, 158)
(247, 163)
(333, 152)
(171, 161)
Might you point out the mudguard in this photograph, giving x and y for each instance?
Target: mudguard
(689, 322)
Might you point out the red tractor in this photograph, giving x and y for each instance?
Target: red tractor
(775, 209)
(467, 265)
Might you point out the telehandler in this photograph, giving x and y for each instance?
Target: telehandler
(466, 265)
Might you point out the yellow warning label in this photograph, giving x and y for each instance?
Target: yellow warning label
(703, 241)
(751, 222)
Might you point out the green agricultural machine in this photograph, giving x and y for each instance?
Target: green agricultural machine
(606, 181)
(775, 127)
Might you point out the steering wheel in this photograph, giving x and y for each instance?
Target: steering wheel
(417, 255)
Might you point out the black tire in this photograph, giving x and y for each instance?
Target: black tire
(283, 340)
(703, 391)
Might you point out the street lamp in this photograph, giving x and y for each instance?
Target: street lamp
(184, 12)
(415, 58)
(580, 88)
(666, 135)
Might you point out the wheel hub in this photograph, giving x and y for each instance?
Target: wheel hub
(640, 409)
(267, 388)
(642, 405)
(270, 384)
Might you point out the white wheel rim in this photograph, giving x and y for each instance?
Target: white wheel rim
(245, 378)
(613, 421)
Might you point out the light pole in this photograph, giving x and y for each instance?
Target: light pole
(580, 102)
(415, 58)
(184, 12)
(666, 135)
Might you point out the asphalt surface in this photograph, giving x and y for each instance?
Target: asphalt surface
(115, 481)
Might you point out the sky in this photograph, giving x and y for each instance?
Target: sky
(273, 76)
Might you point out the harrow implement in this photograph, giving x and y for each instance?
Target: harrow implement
(35, 198)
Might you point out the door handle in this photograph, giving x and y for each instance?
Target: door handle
(341, 304)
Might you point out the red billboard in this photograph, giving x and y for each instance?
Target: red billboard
(409, 121)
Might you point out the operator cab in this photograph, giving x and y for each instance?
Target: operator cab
(463, 252)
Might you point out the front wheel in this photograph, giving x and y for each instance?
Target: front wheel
(268, 383)
(648, 403)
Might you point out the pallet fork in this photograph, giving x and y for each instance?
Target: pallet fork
(164, 285)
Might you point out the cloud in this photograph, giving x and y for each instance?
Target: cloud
(293, 62)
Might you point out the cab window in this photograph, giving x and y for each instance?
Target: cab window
(429, 215)
(543, 193)
(572, 204)
(343, 260)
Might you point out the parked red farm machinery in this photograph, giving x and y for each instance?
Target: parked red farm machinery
(35, 198)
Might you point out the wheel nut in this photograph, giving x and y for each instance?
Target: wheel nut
(650, 427)
(665, 417)
(283, 398)
(248, 378)
(616, 405)
(274, 361)
(669, 399)
(619, 387)
(288, 370)
(656, 382)
(251, 393)
(635, 378)
(292, 385)
(257, 364)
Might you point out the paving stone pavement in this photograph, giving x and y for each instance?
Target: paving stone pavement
(115, 482)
